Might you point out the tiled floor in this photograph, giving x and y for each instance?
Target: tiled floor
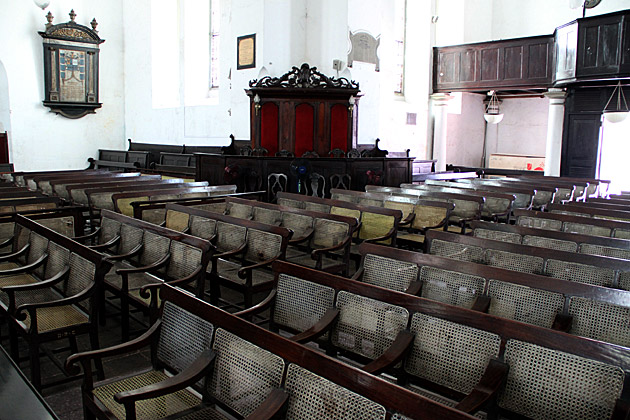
(65, 400)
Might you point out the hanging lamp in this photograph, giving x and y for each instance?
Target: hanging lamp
(619, 113)
(492, 115)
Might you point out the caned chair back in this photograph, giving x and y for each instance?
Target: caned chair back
(311, 395)
(605, 251)
(571, 271)
(515, 262)
(600, 321)
(243, 374)
(185, 259)
(176, 220)
(539, 223)
(154, 248)
(80, 277)
(497, 235)
(298, 223)
(367, 326)
(229, 236)
(299, 303)
(437, 352)
(58, 259)
(446, 286)
(328, 233)
(110, 229)
(537, 371)
(521, 303)
(457, 251)
(262, 245)
(38, 247)
(388, 272)
(240, 211)
(267, 216)
(202, 227)
(585, 229)
(550, 243)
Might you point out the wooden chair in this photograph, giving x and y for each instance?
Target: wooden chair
(316, 185)
(337, 153)
(54, 297)
(276, 182)
(340, 181)
(285, 153)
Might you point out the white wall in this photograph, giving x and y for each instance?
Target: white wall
(40, 139)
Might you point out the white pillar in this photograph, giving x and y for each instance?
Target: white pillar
(440, 101)
(553, 151)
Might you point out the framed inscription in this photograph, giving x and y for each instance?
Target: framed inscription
(246, 52)
(71, 67)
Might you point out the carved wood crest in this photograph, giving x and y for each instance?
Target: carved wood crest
(364, 48)
(304, 77)
(71, 60)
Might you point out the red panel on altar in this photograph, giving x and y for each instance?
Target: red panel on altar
(269, 127)
(304, 125)
(339, 127)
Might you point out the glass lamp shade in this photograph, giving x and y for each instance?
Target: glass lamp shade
(615, 116)
(42, 4)
(493, 118)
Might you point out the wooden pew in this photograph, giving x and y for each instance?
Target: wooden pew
(50, 287)
(523, 197)
(46, 184)
(469, 366)
(581, 309)
(20, 178)
(245, 251)
(561, 241)
(584, 268)
(120, 160)
(278, 378)
(596, 187)
(122, 200)
(573, 224)
(77, 194)
(146, 256)
(544, 194)
(466, 207)
(60, 186)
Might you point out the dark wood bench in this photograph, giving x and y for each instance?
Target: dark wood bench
(573, 224)
(583, 268)
(596, 187)
(543, 196)
(77, 192)
(251, 373)
(49, 291)
(580, 309)
(146, 256)
(463, 358)
(245, 250)
(122, 200)
(497, 205)
(320, 240)
(120, 160)
(561, 241)
(523, 197)
(60, 186)
(46, 183)
(21, 178)
(175, 164)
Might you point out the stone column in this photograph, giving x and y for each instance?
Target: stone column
(555, 122)
(440, 101)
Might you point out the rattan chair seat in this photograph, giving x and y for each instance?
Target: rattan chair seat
(8, 265)
(14, 281)
(49, 319)
(411, 237)
(438, 398)
(147, 409)
(207, 413)
(135, 280)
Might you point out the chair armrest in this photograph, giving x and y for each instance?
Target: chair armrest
(394, 354)
(324, 324)
(25, 268)
(6, 242)
(147, 268)
(481, 304)
(562, 323)
(130, 254)
(31, 308)
(263, 305)
(231, 252)
(7, 257)
(88, 236)
(321, 251)
(243, 271)
(414, 288)
(85, 357)
(487, 387)
(303, 238)
(271, 406)
(388, 235)
(407, 220)
(146, 290)
(197, 370)
(358, 274)
(39, 285)
(106, 245)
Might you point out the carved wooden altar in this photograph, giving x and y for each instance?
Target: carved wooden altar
(303, 111)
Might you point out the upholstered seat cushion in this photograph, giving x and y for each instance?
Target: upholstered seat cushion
(147, 409)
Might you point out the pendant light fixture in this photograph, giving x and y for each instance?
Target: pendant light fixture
(42, 4)
(492, 115)
(618, 113)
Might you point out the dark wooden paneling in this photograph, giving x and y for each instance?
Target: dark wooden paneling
(582, 145)
(512, 63)
(599, 45)
(566, 52)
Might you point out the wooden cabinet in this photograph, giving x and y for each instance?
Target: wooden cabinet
(303, 111)
(512, 63)
(600, 45)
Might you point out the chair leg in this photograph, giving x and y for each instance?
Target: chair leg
(13, 343)
(36, 375)
(100, 373)
(74, 348)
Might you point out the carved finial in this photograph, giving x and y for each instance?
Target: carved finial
(49, 18)
(72, 15)
(94, 24)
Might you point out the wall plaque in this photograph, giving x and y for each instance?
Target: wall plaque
(246, 52)
(71, 67)
(364, 48)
